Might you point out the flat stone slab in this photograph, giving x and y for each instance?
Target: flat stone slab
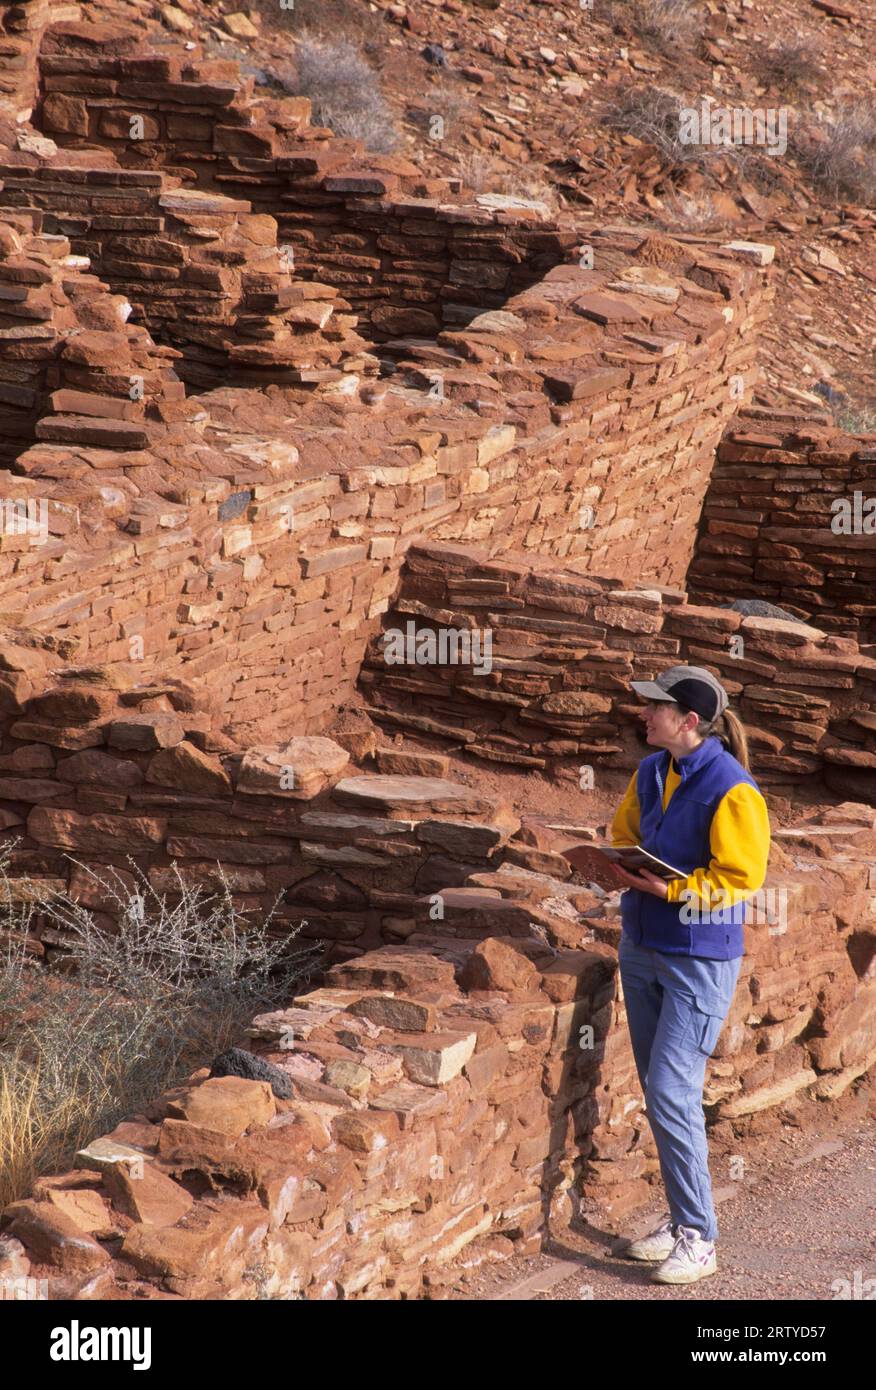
(346, 826)
(409, 1100)
(101, 1154)
(411, 794)
(849, 813)
(794, 632)
(758, 252)
(299, 770)
(342, 854)
(290, 1023)
(805, 832)
(431, 1059)
(391, 969)
(145, 732)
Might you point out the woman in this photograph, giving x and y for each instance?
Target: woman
(696, 806)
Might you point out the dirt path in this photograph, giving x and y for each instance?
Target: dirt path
(800, 1221)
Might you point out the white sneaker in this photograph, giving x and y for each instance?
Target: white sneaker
(656, 1245)
(692, 1258)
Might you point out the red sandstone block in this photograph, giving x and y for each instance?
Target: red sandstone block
(571, 385)
(54, 1237)
(236, 851)
(340, 558)
(69, 830)
(144, 732)
(69, 115)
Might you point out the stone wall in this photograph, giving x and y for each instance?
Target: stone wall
(436, 1097)
(790, 516)
(564, 647)
(98, 769)
(21, 27)
(69, 357)
(263, 533)
(201, 272)
(208, 575)
(409, 257)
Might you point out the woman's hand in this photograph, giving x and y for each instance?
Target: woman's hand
(645, 881)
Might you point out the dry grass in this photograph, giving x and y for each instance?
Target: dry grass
(665, 26)
(654, 116)
(856, 419)
(344, 91)
(482, 173)
(62, 1085)
(533, 188)
(139, 1010)
(839, 155)
(479, 172)
(447, 98)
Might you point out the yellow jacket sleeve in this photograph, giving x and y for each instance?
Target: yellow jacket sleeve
(739, 841)
(625, 826)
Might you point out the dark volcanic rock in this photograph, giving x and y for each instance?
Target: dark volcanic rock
(238, 1062)
(759, 608)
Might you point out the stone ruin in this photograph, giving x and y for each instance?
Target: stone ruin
(265, 397)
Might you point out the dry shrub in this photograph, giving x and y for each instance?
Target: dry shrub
(663, 25)
(479, 172)
(446, 98)
(653, 115)
(533, 188)
(141, 1008)
(344, 92)
(856, 419)
(839, 155)
(789, 65)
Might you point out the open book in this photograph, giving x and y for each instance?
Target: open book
(630, 857)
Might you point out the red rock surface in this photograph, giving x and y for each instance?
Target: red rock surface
(264, 393)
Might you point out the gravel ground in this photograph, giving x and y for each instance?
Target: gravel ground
(802, 1219)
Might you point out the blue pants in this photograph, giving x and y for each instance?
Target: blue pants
(676, 1006)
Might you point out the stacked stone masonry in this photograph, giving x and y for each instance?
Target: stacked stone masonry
(22, 24)
(263, 532)
(257, 529)
(563, 647)
(97, 768)
(790, 514)
(418, 403)
(409, 260)
(436, 1094)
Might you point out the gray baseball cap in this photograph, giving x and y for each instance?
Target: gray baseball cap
(692, 687)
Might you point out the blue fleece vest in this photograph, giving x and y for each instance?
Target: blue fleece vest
(680, 836)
